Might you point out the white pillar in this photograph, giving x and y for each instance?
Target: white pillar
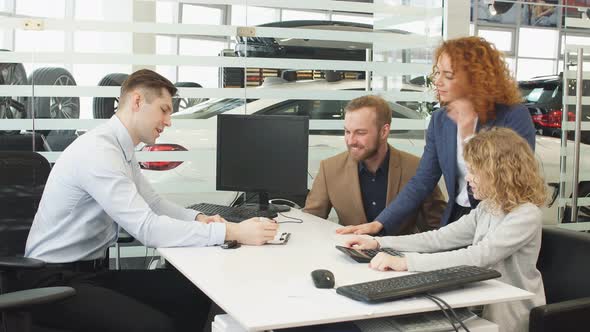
(456, 18)
(144, 43)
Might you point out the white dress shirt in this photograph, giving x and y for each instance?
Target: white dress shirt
(96, 184)
(463, 196)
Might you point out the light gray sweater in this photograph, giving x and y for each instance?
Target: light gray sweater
(508, 243)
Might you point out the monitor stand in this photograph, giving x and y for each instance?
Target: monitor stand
(267, 210)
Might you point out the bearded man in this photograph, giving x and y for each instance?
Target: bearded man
(362, 181)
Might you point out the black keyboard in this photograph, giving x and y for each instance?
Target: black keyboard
(365, 255)
(415, 284)
(229, 213)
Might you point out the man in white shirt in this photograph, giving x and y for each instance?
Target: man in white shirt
(96, 186)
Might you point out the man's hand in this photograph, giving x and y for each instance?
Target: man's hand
(368, 228)
(209, 219)
(254, 231)
(362, 242)
(463, 113)
(384, 262)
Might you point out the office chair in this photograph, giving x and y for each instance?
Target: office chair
(22, 179)
(563, 263)
(124, 237)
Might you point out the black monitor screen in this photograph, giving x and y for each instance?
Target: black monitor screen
(262, 153)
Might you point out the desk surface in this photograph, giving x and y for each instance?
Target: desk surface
(270, 287)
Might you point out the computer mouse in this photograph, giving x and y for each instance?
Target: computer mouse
(322, 278)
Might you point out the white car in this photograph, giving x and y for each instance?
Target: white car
(198, 175)
(193, 180)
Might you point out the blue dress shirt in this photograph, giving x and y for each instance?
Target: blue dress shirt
(95, 185)
(374, 187)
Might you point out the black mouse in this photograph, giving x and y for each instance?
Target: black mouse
(322, 278)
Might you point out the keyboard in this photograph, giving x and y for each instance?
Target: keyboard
(229, 213)
(365, 255)
(415, 284)
(433, 321)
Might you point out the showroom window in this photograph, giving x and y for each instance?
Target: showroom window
(250, 15)
(517, 29)
(48, 8)
(294, 15)
(201, 14)
(503, 39)
(353, 18)
(197, 47)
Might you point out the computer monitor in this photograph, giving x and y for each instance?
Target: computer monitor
(262, 153)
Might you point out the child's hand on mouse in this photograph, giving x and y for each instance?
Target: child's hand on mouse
(384, 262)
(362, 242)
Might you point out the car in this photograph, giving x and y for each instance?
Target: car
(299, 48)
(197, 175)
(543, 96)
(308, 48)
(324, 142)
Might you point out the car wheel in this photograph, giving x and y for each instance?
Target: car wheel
(105, 107)
(12, 107)
(583, 211)
(332, 75)
(53, 107)
(180, 104)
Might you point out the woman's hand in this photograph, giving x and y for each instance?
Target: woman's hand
(385, 262)
(463, 113)
(362, 242)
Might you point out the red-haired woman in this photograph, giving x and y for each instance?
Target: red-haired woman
(476, 90)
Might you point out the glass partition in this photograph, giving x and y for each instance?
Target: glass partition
(574, 176)
(65, 61)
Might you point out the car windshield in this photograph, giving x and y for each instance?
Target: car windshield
(315, 109)
(539, 93)
(211, 108)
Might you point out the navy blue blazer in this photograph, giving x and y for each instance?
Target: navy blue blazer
(440, 158)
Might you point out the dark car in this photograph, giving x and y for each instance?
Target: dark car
(269, 47)
(306, 48)
(543, 95)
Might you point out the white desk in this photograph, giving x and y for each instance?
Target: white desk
(225, 323)
(270, 287)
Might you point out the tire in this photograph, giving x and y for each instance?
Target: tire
(332, 75)
(289, 75)
(12, 107)
(583, 211)
(105, 107)
(180, 104)
(53, 107)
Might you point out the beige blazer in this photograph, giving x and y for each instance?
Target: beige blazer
(337, 185)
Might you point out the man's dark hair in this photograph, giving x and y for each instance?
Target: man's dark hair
(148, 80)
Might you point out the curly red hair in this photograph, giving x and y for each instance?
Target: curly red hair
(489, 78)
